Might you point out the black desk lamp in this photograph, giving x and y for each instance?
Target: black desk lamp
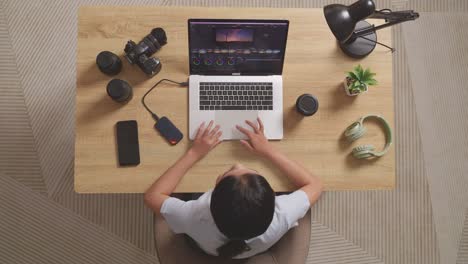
(356, 37)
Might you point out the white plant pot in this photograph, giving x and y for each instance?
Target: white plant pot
(346, 86)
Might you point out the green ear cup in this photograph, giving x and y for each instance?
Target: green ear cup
(364, 151)
(357, 130)
(354, 131)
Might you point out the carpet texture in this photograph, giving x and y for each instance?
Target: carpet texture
(365, 226)
(36, 230)
(18, 156)
(439, 76)
(328, 247)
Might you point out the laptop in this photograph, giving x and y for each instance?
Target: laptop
(236, 74)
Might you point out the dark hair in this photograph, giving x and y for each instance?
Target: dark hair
(242, 208)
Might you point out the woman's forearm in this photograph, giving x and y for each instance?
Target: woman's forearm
(169, 180)
(296, 173)
(205, 140)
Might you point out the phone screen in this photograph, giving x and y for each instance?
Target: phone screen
(127, 143)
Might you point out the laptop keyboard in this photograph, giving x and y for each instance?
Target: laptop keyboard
(236, 96)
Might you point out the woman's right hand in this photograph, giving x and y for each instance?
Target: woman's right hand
(257, 142)
(206, 139)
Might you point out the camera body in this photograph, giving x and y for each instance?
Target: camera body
(140, 54)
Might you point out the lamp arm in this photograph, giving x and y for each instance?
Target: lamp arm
(392, 18)
(389, 15)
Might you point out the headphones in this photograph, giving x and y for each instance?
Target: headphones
(357, 130)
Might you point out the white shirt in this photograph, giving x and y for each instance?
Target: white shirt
(194, 219)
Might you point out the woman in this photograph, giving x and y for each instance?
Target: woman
(241, 216)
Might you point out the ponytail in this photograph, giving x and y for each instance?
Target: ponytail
(233, 248)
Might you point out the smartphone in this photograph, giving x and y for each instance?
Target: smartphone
(127, 143)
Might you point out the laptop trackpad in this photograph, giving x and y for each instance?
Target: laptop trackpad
(227, 120)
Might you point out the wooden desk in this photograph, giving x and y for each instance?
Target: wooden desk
(314, 64)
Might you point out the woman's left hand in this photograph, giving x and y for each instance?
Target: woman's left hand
(206, 139)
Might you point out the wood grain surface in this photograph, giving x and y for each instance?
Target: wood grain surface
(314, 64)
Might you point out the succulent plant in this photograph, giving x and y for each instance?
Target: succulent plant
(359, 79)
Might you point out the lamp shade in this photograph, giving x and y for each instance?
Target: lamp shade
(342, 19)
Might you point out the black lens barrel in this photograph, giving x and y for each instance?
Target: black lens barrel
(160, 35)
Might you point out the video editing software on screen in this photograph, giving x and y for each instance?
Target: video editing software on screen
(226, 47)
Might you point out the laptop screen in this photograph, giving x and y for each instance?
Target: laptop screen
(231, 47)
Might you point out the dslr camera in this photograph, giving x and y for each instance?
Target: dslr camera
(140, 54)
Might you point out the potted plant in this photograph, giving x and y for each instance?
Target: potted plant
(358, 81)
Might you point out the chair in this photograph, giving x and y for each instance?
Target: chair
(292, 248)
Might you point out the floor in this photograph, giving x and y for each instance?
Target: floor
(424, 220)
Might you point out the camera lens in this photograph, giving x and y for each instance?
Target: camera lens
(108, 63)
(153, 41)
(119, 90)
(160, 35)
